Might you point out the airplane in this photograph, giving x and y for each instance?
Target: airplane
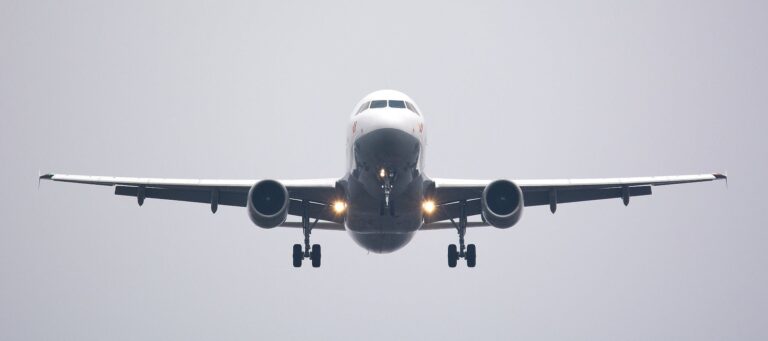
(385, 197)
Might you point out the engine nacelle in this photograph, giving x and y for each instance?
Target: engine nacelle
(502, 203)
(268, 203)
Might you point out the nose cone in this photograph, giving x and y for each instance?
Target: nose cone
(388, 118)
(387, 146)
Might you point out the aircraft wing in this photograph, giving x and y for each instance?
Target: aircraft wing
(319, 192)
(450, 192)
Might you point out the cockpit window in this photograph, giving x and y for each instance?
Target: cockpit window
(398, 104)
(411, 107)
(378, 104)
(363, 107)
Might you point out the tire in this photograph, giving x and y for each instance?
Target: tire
(453, 255)
(315, 255)
(298, 255)
(471, 255)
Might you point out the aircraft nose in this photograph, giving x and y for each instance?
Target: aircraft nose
(388, 119)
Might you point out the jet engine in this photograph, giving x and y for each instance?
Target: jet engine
(268, 203)
(502, 203)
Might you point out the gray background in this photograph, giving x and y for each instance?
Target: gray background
(510, 90)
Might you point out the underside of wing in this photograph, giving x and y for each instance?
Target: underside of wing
(318, 193)
(451, 194)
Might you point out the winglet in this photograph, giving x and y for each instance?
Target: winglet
(47, 176)
(719, 176)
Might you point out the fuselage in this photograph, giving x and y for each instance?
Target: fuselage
(386, 141)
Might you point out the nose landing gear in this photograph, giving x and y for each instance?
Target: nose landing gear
(468, 252)
(387, 177)
(312, 253)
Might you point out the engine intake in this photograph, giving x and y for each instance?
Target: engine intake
(502, 203)
(268, 203)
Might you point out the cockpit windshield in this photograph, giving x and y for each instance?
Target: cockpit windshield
(398, 104)
(363, 107)
(412, 108)
(378, 104)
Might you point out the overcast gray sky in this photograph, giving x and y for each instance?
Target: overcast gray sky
(244, 89)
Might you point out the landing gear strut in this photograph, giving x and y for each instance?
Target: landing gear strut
(387, 177)
(468, 252)
(311, 253)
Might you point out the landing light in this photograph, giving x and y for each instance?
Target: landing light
(339, 206)
(428, 206)
(383, 173)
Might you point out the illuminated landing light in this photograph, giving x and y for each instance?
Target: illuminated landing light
(428, 206)
(339, 206)
(383, 173)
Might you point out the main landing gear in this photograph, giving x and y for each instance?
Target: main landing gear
(470, 251)
(313, 253)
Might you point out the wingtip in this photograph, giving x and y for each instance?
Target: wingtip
(721, 176)
(47, 176)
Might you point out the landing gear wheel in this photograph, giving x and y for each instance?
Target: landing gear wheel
(471, 255)
(298, 255)
(453, 255)
(315, 256)
(468, 252)
(303, 251)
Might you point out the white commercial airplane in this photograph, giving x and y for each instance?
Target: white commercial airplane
(385, 196)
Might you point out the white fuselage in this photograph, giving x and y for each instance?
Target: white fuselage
(403, 119)
(386, 139)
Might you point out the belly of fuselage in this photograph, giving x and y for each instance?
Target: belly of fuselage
(377, 224)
